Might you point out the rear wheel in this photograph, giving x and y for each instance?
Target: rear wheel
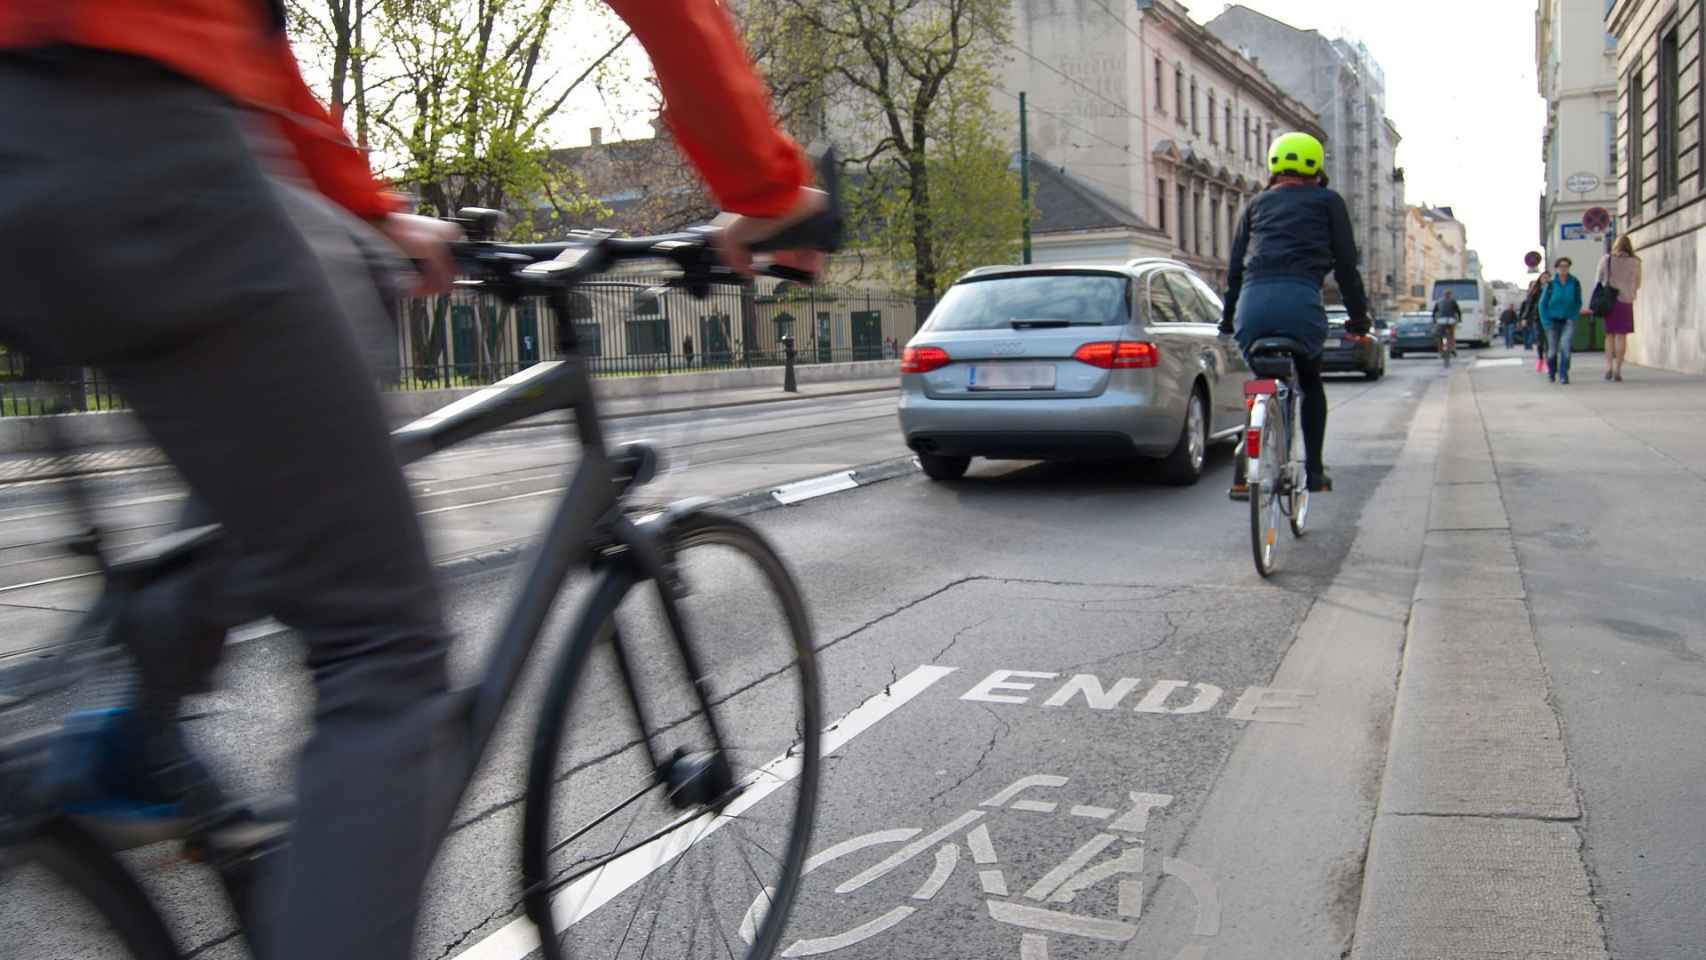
(62, 894)
(655, 822)
(943, 469)
(1184, 465)
(1265, 491)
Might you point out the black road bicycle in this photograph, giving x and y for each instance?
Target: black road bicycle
(674, 825)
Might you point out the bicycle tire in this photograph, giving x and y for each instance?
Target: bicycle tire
(1264, 492)
(569, 687)
(79, 862)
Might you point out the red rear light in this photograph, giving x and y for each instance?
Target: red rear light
(1253, 444)
(923, 359)
(1118, 354)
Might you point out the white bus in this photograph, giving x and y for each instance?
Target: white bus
(1476, 328)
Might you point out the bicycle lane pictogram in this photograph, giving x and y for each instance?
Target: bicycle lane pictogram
(1114, 855)
(1036, 802)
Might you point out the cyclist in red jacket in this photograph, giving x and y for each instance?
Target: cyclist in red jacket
(178, 209)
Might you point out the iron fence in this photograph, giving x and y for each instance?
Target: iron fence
(625, 325)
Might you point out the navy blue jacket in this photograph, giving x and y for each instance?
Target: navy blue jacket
(1296, 231)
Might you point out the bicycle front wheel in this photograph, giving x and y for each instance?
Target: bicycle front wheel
(674, 776)
(64, 895)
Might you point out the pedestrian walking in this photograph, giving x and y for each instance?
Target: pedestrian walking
(687, 348)
(1560, 305)
(1621, 270)
(1529, 314)
(1507, 325)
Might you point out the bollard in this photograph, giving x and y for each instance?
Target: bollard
(788, 383)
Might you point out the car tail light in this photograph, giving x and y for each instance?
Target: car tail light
(923, 359)
(1118, 354)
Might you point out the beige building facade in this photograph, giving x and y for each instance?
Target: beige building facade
(1661, 180)
(1146, 106)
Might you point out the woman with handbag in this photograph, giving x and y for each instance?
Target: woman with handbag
(1620, 278)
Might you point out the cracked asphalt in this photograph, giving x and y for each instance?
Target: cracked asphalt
(1104, 642)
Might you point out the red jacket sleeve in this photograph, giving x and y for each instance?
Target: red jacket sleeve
(717, 106)
(336, 166)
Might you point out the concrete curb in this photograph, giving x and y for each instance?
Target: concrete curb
(1474, 851)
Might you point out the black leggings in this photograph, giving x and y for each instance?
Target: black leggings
(1314, 412)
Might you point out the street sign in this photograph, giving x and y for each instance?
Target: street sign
(1532, 259)
(1581, 183)
(1596, 220)
(1572, 231)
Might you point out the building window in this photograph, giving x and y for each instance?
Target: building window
(1183, 219)
(1637, 158)
(1229, 126)
(1179, 94)
(1196, 122)
(1248, 153)
(1196, 222)
(1160, 96)
(1670, 84)
(1231, 223)
(1214, 227)
(1161, 204)
(1211, 136)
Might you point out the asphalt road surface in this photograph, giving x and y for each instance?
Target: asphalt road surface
(1066, 717)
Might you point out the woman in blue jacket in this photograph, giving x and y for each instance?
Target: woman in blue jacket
(1560, 304)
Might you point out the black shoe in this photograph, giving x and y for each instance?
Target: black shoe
(1553, 378)
(1319, 483)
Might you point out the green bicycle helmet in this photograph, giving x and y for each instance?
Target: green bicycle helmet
(1297, 153)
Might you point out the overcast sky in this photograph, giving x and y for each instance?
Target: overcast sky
(1459, 85)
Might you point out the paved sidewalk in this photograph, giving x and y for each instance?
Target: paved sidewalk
(1545, 794)
(20, 467)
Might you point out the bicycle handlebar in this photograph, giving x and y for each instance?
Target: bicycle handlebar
(520, 268)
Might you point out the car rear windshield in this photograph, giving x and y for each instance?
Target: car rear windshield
(1462, 289)
(1051, 299)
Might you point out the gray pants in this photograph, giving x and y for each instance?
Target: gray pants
(139, 232)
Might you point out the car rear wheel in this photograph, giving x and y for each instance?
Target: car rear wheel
(943, 469)
(1184, 465)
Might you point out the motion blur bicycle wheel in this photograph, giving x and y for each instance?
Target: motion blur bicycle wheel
(63, 895)
(657, 841)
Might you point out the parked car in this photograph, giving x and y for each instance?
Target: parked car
(1415, 334)
(1346, 352)
(1073, 363)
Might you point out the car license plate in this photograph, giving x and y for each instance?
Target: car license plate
(1332, 342)
(1011, 376)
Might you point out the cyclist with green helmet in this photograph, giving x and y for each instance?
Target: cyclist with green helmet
(1288, 239)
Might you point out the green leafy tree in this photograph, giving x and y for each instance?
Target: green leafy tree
(905, 86)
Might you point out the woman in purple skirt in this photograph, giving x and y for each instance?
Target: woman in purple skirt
(1621, 269)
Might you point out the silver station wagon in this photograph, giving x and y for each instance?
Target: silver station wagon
(1073, 363)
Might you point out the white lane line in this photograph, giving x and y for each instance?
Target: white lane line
(801, 490)
(519, 937)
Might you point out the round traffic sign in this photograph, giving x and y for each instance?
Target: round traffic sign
(1596, 220)
(1532, 259)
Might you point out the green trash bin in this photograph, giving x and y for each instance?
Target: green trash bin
(1589, 334)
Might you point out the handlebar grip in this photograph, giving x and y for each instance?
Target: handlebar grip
(821, 231)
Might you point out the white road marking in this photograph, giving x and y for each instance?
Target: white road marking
(801, 490)
(520, 937)
(1501, 362)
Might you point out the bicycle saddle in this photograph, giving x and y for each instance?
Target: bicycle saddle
(1273, 356)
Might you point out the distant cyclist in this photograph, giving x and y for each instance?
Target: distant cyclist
(1290, 236)
(178, 209)
(1447, 315)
